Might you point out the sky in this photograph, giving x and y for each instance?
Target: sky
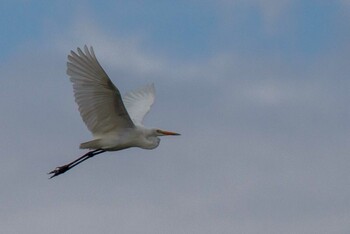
(258, 89)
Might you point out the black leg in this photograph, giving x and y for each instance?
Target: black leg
(64, 168)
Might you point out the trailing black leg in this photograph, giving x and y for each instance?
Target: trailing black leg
(62, 169)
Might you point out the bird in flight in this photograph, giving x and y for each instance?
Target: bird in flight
(115, 122)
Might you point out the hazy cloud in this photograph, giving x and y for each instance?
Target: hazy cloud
(264, 144)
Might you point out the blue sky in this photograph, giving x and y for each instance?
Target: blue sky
(258, 89)
(188, 28)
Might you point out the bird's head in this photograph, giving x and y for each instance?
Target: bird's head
(152, 137)
(159, 132)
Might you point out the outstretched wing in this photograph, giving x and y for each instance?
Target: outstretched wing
(139, 102)
(100, 103)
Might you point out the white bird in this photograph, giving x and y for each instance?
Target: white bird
(115, 123)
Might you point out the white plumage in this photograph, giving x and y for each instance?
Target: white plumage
(100, 103)
(139, 103)
(115, 123)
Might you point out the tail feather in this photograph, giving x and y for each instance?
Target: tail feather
(94, 144)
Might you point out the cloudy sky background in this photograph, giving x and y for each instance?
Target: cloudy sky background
(258, 89)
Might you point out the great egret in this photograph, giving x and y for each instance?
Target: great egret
(115, 123)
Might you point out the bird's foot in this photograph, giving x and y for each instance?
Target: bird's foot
(59, 170)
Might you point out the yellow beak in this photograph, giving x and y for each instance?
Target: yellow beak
(167, 133)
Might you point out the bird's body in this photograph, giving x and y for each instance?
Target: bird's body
(115, 122)
(137, 136)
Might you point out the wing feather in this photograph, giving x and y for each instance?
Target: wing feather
(139, 102)
(100, 103)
